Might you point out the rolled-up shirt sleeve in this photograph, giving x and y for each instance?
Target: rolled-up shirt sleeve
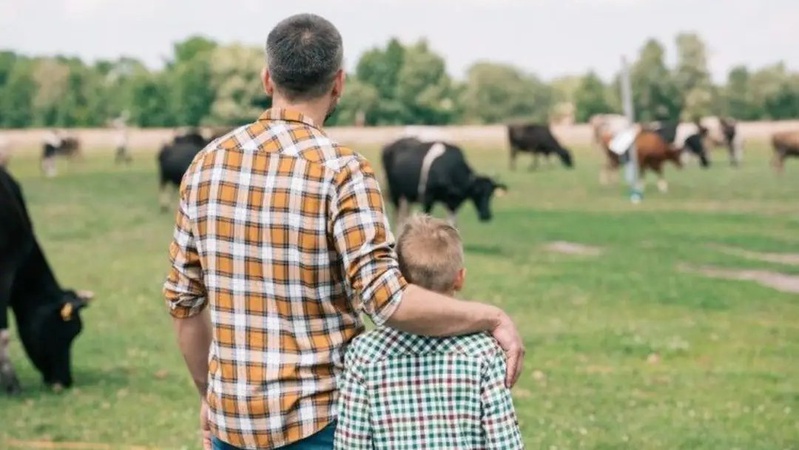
(184, 290)
(363, 239)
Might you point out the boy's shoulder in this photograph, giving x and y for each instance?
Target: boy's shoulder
(384, 342)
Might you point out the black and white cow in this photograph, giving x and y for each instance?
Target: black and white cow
(686, 137)
(538, 140)
(174, 159)
(430, 172)
(47, 316)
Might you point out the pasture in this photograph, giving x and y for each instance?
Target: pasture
(626, 348)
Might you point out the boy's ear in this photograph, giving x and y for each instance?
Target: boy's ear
(460, 278)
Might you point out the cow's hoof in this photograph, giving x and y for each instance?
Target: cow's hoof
(11, 386)
(57, 388)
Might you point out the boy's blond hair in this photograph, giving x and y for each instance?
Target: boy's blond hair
(430, 252)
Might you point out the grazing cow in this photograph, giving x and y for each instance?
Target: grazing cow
(691, 137)
(653, 150)
(537, 139)
(430, 172)
(47, 316)
(606, 127)
(723, 132)
(785, 144)
(175, 158)
(56, 145)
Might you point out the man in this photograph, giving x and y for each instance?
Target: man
(121, 138)
(282, 235)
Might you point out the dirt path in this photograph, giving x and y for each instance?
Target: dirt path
(573, 248)
(774, 280)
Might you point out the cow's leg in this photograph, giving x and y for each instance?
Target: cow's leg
(9, 383)
(534, 164)
(513, 153)
(403, 211)
(164, 195)
(778, 161)
(452, 217)
(605, 173)
(48, 166)
(663, 185)
(640, 183)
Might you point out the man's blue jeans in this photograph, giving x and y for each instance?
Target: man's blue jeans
(322, 440)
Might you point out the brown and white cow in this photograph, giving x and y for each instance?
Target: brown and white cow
(785, 144)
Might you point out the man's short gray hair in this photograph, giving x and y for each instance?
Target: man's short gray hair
(304, 52)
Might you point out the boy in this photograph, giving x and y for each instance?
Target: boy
(403, 391)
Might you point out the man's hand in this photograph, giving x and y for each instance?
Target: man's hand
(508, 338)
(204, 428)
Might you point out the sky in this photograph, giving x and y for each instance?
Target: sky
(549, 38)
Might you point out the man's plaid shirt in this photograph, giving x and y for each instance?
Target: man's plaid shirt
(283, 234)
(405, 392)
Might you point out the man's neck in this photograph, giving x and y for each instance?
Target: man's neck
(314, 110)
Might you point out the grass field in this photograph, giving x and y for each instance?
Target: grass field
(625, 351)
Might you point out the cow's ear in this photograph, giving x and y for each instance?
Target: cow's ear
(85, 296)
(500, 190)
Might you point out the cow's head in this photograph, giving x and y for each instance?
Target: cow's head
(481, 191)
(55, 326)
(566, 158)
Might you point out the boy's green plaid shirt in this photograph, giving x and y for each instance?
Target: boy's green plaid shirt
(402, 391)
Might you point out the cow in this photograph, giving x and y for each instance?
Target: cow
(605, 128)
(784, 144)
(687, 138)
(723, 132)
(653, 150)
(57, 145)
(427, 172)
(48, 317)
(175, 157)
(536, 139)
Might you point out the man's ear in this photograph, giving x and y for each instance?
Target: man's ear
(269, 88)
(460, 279)
(338, 84)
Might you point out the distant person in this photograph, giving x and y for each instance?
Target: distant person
(121, 139)
(281, 234)
(396, 385)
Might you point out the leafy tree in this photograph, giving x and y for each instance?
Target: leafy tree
(692, 77)
(424, 88)
(655, 94)
(498, 92)
(381, 68)
(16, 101)
(591, 98)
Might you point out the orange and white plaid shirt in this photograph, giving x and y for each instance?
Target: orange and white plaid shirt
(283, 234)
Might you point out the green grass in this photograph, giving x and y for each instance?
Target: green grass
(728, 374)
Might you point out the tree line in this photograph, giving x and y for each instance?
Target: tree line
(208, 83)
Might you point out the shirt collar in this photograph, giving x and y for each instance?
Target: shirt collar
(288, 115)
